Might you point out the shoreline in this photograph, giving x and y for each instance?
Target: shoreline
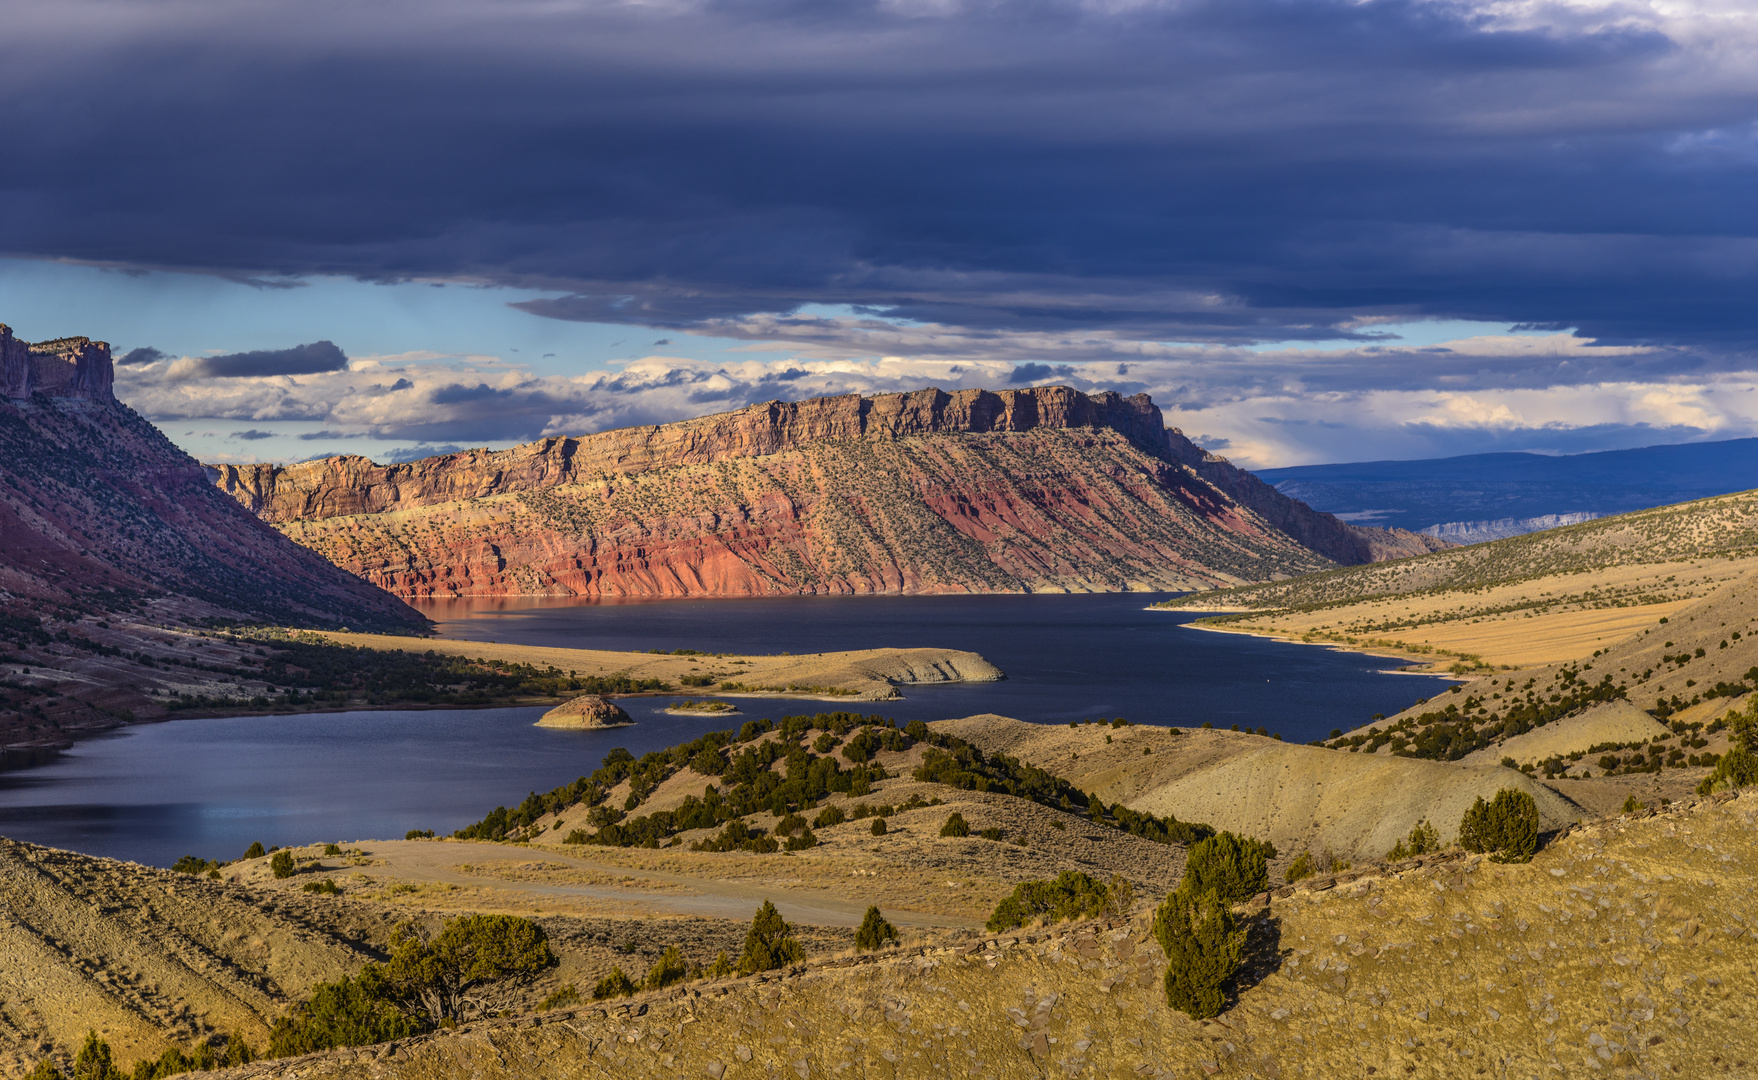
(1336, 646)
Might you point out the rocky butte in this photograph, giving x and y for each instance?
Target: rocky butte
(1035, 490)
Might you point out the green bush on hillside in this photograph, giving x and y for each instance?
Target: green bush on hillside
(955, 825)
(616, 984)
(875, 932)
(1506, 828)
(1234, 868)
(1423, 840)
(769, 944)
(352, 1011)
(1203, 945)
(282, 864)
(1072, 895)
(670, 968)
(1738, 767)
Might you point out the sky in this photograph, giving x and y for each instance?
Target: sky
(1312, 230)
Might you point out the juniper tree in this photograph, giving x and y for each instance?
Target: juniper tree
(1232, 867)
(1203, 945)
(1506, 828)
(875, 931)
(770, 943)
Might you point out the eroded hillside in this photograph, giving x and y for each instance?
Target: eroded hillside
(1623, 946)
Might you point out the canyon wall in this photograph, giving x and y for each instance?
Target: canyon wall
(1041, 489)
(100, 512)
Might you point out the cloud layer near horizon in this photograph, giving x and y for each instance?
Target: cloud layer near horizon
(1272, 408)
(1219, 171)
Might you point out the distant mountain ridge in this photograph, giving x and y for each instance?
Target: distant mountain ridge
(1479, 488)
(1044, 489)
(1477, 532)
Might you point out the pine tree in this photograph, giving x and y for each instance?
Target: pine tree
(1232, 867)
(1203, 945)
(1506, 827)
(770, 943)
(875, 931)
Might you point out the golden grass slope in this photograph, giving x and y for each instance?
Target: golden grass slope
(1543, 598)
(147, 957)
(1358, 805)
(1624, 949)
(861, 675)
(1612, 722)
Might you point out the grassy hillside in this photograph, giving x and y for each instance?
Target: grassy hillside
(1620, 950)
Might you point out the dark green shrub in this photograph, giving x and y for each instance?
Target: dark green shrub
(567, 995)
(1203, 945)
(476, 963)
(616, 984)
(576, 836)
(255, 851)
(1234, 868)
(1738, 767)
(189, 864)
(830, 815)
(1631, 805)
(721, 968)
(991, 833)
(669, 969)
(801, 842)
(878, 826)
(1072, 895)
(93, 1061)
(353, 1011)
(282, 864)
(875, 931)
(1506, 827)
(1424, 838)
(45, 1070)
(1300, 868)
(770, 943)
(955, 826)
(332, 849)
(790, 824)
(238, 1052)
(327, 886)
(418, 834)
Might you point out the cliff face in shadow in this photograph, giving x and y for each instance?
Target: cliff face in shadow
(95, 504)
(928, 492)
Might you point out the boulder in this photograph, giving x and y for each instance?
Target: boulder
(586, 712)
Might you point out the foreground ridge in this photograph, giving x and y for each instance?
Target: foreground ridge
(1623, 944)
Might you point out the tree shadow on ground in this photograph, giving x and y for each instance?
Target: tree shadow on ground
(1261, 957)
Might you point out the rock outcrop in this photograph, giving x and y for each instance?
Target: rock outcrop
(1045, 489)
(72, 367)
(586, 712)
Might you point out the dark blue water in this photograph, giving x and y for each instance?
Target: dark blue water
(212, 787)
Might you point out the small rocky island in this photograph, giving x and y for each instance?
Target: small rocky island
(586, 712)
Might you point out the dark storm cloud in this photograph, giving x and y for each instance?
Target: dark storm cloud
(1213, 170)
(146, 354)
(313, 359)
(252, 435)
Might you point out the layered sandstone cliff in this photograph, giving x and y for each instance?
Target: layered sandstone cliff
(98, 510)
(1023, 490)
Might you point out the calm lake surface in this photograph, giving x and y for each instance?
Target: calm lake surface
(211, 787)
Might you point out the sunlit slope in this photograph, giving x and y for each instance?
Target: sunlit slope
(1297, 797)
(1623, 947)
(1543, 598)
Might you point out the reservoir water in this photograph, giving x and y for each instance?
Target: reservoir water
(210, 787)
